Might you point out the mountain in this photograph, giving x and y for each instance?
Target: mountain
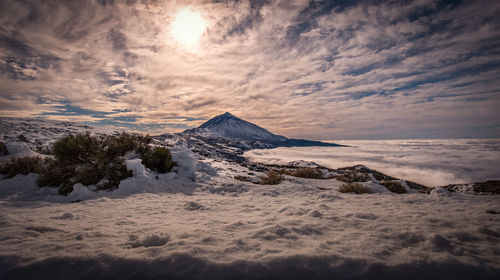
(231, 127)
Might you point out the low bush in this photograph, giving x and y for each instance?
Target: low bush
(89, 174)
(76, 149)
(394, 186)
(99, 160)
(21, 165)
(354, 188)
(22, 138)
(3, 149)
(306, 172)
(490, 186)
(243, 178)
(272, 177)
(159, 160)
(363, 169)
(57, 175)
(352, 177)
(42, 149)
(418, 187)
(113, 175)
(123, 143)
(90, 160)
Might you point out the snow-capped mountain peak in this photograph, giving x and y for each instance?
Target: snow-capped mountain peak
(230, 126)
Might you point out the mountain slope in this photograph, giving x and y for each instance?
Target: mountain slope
(234, 128)
(229, 126)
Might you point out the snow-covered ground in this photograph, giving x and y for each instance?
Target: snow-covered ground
(22, 135)
(435, 162)
(301, 228)
(201, 223)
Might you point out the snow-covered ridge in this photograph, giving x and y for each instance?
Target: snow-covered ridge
(26, 136)
(23, 136)
(229, 126)
(235, 129)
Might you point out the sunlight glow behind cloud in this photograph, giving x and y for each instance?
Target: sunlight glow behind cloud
(187, 27)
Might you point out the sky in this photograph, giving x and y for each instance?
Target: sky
(304, 69)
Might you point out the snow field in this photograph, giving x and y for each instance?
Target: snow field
(199, 222)
(301, 225)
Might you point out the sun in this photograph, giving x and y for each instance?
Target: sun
(188, 27)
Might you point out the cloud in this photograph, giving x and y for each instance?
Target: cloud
(429, 162)
(356, 69)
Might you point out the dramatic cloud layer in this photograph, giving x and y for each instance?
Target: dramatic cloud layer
(323, 70)
(437, 162)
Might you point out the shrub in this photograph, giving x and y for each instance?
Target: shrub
(66, 188)
(272, 178)
(22, 138)
(99, 160)
(114, 175)
(394, 186)
(76, 149)
(242, 178)
(306, 172)
(3, 149)
(55, 175)
(354, 188)
(75, 161)
(490, 186)
(89, 160)
(352, 177)
(41, 149)
(123, 143)
(418, 187)
(89, 174)
(21, 165)
(159, 160)
(363, 169)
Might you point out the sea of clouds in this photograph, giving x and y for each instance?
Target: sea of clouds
(434, 162)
